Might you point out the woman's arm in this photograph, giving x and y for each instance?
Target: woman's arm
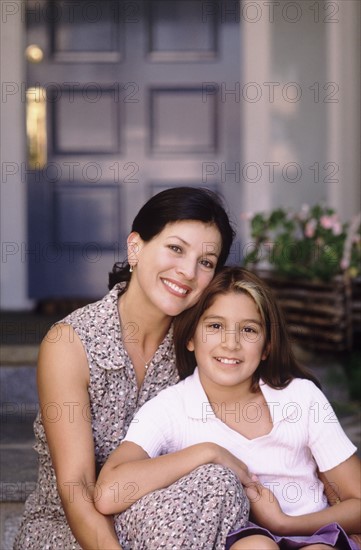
(63, 378)
(129, 473)
(346, 481)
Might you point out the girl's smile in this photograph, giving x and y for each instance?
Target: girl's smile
(229, 342)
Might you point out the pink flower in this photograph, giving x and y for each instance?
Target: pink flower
(304, 212)
(310, 228)
(331, 222)
(337, 228)
(326, 222)
(345, 264)
(247, 216)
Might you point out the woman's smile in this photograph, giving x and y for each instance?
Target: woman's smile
(176, 288)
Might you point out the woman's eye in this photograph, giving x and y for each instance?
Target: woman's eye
(207, 263)
(175, 248)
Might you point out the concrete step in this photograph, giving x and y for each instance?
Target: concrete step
(19, 406)
(10, 517)
(25, 328)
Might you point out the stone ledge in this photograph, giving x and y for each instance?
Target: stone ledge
(10, 517)
(18, 389)
(19, 465)
(19, 355)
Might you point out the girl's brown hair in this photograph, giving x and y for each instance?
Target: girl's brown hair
(280, 366)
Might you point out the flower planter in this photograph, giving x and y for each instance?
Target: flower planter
(320, 315)
(356, 304)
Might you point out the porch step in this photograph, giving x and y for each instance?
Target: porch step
(19, 406)
(10, 518)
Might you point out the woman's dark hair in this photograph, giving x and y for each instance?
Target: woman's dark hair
(177, 204)
(280, 366)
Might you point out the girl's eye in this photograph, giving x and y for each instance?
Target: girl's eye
(207, 264)
(175, 248)
(250, 330)
(251, 334)
(215, 326)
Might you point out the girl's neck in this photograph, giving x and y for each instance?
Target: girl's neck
(227, 395)
(241, 409)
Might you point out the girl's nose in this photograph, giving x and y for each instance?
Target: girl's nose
(231, 338)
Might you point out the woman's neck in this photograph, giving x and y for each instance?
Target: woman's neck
(142, 322)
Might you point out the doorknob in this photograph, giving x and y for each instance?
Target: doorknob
(36, 127)
(34, 54)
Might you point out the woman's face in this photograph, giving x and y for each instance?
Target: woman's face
(173, 269)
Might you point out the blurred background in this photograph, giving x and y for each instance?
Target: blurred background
(105, 103)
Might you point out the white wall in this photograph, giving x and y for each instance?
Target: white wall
(309, 53)
(13, 289)
(344, 130)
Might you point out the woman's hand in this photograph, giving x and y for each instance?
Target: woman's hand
(265, 508)
(227, 459)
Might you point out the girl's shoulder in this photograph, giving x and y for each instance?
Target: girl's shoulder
(299, 390)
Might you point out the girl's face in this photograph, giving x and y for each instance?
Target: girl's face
(174, 267)
(229, 342)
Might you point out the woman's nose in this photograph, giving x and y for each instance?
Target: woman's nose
(188, 268)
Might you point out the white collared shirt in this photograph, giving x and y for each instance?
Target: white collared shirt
(305, 434)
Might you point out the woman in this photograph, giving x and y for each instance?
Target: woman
(102, 362)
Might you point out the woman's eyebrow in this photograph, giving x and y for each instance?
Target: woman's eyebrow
(186, 243)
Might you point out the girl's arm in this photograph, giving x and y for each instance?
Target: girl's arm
(63, 378)
(346, 481)
(129, 473)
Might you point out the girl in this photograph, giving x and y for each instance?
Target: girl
(246, 395)
(102, 362)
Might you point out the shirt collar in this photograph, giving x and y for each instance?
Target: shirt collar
(280, 403)
(197, 404)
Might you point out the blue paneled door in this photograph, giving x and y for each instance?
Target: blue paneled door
(124, 98)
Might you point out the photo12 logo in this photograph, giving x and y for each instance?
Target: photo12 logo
(270, 11)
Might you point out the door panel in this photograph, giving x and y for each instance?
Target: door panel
(127, 115)
(181, 123)
(175, 32)
(99, 118)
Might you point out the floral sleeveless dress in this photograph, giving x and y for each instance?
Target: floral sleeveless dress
(196, 512)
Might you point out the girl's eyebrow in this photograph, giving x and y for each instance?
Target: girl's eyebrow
(220, 317)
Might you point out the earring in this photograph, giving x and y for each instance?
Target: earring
(130, 269)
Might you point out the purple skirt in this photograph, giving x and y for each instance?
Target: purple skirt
(331, 534)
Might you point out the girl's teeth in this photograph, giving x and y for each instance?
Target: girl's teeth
(228, 361)
(175, 287)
